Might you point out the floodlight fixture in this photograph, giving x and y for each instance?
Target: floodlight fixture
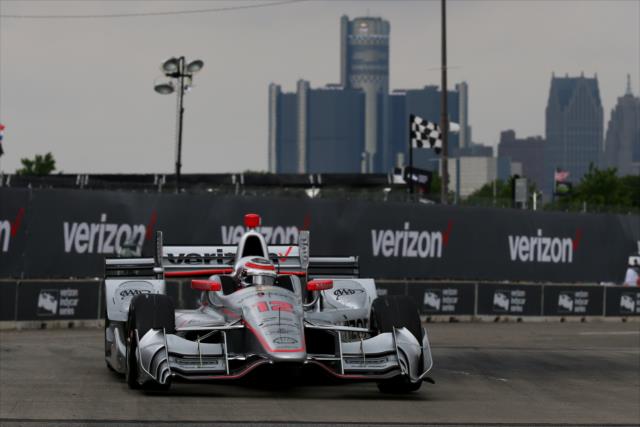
(170, 66)
(165, 88)
(195, 66)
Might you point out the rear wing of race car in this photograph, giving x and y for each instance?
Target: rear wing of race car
(190, 261)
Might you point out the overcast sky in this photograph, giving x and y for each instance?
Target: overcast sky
(83, 88)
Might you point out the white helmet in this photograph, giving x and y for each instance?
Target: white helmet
(254, 270)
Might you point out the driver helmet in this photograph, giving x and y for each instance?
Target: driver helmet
(253, 270)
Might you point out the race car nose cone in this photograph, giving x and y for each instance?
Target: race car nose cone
(252, 220)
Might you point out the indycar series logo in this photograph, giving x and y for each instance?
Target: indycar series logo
(541, 248)
(287, 235)
(9, 229)
(407, 243)
(61, 302)
(509, 301)
(440, 300)
(103, 237)
(573, 302)
(630, 303)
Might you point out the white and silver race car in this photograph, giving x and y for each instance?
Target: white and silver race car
(259, 306)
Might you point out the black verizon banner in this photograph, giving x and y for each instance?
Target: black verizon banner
(67, 233)
(8, 291)
(14, 212)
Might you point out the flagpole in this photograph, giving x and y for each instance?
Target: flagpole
(410, 157)
(444, 122)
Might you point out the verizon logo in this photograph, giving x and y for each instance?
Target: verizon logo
(541, 248)
(101, 237)
(5, 235)
(231, 234)
(408, 243)
(9, 229)
(198, 258)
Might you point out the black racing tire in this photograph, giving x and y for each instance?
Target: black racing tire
(146, 311)
(131, 365)
(107, 350)
(396, 311)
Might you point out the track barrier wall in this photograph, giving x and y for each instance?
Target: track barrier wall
(52, 233)
(43, 301)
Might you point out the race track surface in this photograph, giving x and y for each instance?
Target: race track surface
(486, 373)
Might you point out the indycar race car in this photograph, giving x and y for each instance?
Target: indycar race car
(260, 306)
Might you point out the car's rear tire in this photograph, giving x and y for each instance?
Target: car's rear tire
(107, 346)
(146, 311)
(396, 311)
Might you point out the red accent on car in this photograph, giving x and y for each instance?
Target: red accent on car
(338, 375)
(230, 313)
(292, 273)
(281, 306)
(206, 285)
(262, 306)
(319, 285)
(260, 266)
(252, 220)
(239, 374)
(191, 273)
(266, 345)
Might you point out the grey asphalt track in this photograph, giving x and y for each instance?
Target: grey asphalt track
(486, 374)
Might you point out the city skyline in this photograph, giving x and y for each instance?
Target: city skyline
(100, 114)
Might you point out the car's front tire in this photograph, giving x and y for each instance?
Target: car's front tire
(147, 311)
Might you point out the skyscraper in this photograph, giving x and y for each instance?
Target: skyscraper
(364, 65)
(574, 127)
(315, 130)
(357, 126)
(622, 144)
(425, 103)
(527, 151)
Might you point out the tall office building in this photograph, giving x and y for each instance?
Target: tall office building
(364, 65)
(574, 127)
(463, 109)
(425, 103)
(529, 152)
(357, 126)
(315, 130)
(622, 144)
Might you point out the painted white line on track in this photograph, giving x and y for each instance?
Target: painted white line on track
(611, 333)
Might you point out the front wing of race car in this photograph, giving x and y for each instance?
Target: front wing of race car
(398, 353)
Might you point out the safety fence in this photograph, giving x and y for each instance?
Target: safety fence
(34, 300)
(50, 233)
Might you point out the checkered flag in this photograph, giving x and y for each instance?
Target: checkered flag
(424, 134)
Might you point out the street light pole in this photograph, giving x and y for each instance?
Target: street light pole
(444, 121)
(181, 66)
(178, 69)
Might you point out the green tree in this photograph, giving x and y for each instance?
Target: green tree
(39, 166)
(600, 188)
(503, 193)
